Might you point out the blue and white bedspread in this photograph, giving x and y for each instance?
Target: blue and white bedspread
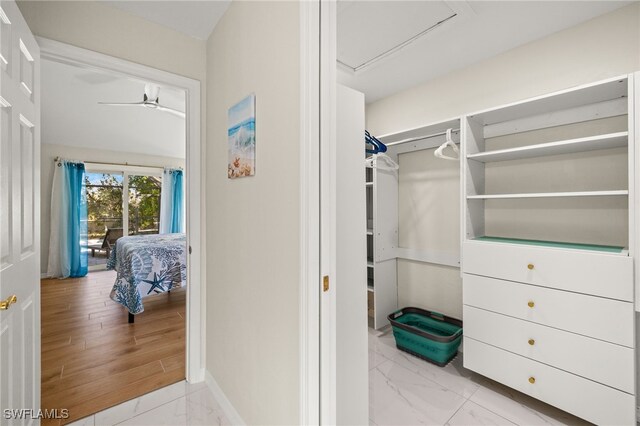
(146, 265)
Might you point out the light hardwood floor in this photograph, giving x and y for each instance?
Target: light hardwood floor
(92, 358)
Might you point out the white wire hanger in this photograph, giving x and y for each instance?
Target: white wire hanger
(448, 142)
(381, 162)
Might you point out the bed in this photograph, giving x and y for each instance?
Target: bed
(147, 265)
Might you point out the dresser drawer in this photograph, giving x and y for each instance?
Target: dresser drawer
(599, 274)
(605, 319)
(582, 397)
(571, 352)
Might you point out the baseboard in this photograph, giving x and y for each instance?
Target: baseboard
(44, 276)
(225, 404)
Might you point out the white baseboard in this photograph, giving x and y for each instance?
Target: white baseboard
(44, 275)
(225, 404)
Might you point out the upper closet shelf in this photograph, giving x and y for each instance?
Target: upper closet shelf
(549, 195)
(591, 143)
(603, 91)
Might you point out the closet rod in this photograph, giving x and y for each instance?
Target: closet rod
(419, 138)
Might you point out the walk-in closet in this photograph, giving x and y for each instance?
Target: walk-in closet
(498, 189)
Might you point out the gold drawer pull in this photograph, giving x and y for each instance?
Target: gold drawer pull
(532, 342)
(532, 380)
(6, 304)
(530, 266)
(531, 304)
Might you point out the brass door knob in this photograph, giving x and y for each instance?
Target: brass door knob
(531, 304)
(6, 304)
(532, 380)
(530, 266)
(532, 342)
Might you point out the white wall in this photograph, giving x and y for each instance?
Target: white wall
(50, 151)
(95, 26)
(253, 234)
(603, 47)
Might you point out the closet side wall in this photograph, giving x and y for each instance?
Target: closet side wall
(253, 238)
(604, 47)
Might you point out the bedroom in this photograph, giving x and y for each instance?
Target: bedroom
(121, 167)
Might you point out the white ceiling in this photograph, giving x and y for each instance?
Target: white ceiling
(71, 114)
(194, 18)
(367, 30)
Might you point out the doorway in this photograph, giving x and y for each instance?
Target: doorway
(138, 191)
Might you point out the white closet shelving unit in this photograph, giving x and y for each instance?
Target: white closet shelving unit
(383, 248)
(549, 303)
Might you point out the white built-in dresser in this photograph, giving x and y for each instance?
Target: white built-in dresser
(549, 244)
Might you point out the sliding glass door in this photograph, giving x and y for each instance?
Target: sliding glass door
(121, 200)
(144, 204)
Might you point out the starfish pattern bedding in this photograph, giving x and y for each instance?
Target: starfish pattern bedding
(146, 265)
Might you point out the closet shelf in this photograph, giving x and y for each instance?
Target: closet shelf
(554, 244)
(369, 264)
(591, 143)
(549, 195)
(369, 183)
(369, 231)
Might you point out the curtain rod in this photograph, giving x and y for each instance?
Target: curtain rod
(120, 164)
(419, 138)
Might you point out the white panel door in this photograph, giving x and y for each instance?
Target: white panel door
(19, 217)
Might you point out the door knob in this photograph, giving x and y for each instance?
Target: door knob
(6, 304)
(530, 266)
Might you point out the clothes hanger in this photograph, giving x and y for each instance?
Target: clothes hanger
(448, 142)
(375, 143)
(381, 161)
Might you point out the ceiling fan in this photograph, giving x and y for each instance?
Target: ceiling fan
(150, 100)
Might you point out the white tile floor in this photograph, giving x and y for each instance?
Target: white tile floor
(177, 404)
(403, 390)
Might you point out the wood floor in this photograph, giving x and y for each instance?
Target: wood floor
(93, 359)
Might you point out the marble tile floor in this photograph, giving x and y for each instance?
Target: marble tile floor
(178, 404)
(403, 390)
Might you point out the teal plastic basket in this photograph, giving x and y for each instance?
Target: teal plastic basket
(428, 335)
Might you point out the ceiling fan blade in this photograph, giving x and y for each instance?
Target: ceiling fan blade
(171, 111)
(122, 103)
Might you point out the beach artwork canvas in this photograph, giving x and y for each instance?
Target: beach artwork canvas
(242, 138)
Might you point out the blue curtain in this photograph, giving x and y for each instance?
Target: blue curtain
(77, 211)
(68, 251)
(172, 202)
(177, 214)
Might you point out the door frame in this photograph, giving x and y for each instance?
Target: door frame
(318, 53)
(195, 195)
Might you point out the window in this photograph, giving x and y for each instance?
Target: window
(104, 202)
(120, 198)
(144, 204)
